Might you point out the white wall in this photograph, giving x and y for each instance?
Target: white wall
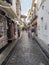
(43, 33)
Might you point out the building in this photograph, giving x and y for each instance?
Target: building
(15, 5)
(32, 15)
(23, 17)
(43, 20)
(18, 9)
(8, 13)
(38, 16)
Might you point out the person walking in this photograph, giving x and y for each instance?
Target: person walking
(29, 31)
(18, 30)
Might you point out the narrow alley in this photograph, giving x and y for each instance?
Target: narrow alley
(24, 32)
(27, 52)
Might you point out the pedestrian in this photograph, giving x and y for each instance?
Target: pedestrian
(18, 30)
(29, 31)
(32, 31)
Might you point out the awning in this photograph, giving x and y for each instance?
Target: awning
(8, 10)
(2, 3)
(10, 13)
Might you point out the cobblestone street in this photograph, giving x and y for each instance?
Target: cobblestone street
(27, 52)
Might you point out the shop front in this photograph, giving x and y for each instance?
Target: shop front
(11, 29)
(3, 31)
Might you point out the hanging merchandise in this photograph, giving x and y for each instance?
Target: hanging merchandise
(3, 31)
(11, 30)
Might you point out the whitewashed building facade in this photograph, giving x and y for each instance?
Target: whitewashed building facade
(43, 20)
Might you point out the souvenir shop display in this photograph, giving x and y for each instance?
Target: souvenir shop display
(3, 31)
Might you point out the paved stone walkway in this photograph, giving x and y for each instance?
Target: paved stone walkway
(27, 52)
